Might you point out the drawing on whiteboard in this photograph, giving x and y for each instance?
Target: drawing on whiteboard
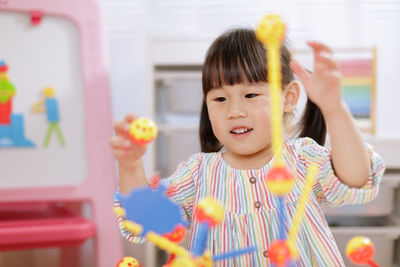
(12, 132)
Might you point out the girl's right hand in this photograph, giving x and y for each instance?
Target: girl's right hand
(127, 153)
(323, 86)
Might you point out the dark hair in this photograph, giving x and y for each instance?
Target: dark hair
(237, 56)
(312, 123)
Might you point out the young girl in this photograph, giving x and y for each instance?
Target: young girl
(236, 153)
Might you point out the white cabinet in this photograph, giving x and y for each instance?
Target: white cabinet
(178, 97)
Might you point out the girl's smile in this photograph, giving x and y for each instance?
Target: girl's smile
(241, 131)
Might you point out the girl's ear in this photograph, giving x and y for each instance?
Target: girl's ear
(291, 96)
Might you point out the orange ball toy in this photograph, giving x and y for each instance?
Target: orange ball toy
(279, 253)
(128, 262)
(143, 131)
(209, 210)
(360, 250)
(280, 180)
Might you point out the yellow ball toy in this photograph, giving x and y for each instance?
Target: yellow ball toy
(128, 262)
(143, 130)
(360, 250)
(280, 180)
(209, 210)
(271, 30)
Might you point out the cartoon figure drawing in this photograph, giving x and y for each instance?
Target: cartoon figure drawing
(50, 105)
(12, 132)
(7, 92)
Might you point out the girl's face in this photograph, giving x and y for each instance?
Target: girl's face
(240, 117)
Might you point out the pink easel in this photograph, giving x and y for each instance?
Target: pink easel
(35, 217)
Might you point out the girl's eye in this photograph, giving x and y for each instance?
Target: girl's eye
(250, 95)
(220, 99)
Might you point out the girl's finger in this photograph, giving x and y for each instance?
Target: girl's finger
(301, 73)
(320, 67)
(118, 142)
(121, 128)
(130, 117)
(326, 59)
(335, 75)
(120, 153)
(319, 47)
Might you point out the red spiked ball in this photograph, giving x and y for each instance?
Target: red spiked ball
(280, 180)
(279, 253)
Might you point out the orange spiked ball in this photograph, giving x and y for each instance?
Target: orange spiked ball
(279, 253)
(177, 235)
(209, 210)
(128, 262)
(280, 180)
(360, 250)
(143, 131)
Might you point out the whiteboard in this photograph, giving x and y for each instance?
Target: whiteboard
(47, 54)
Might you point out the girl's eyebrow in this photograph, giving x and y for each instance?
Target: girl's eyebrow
(215, 90)
(255, 86)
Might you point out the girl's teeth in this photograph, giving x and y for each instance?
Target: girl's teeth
(238, 131)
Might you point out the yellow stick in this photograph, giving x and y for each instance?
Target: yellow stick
(132, 227)
(271, 32)
(167, 245)
(274, 78)
(310, 177)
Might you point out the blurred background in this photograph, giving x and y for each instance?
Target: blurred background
(155, 51)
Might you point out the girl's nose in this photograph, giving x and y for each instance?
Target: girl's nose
(236, 110)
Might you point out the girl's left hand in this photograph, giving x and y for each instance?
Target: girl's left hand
(323, 85)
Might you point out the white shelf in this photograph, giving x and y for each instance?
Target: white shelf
(388, 147)
(166, 75)
(167, 128)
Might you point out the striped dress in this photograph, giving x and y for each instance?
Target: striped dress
(251, 210)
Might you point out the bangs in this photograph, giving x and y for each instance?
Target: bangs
(235, 57)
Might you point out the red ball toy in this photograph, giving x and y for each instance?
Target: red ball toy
(279, 253)
(280, 180)
(360, 250)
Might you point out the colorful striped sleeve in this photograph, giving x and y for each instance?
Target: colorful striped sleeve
(180, 189)
(124, 232)
(329, 189)
(182, 184)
